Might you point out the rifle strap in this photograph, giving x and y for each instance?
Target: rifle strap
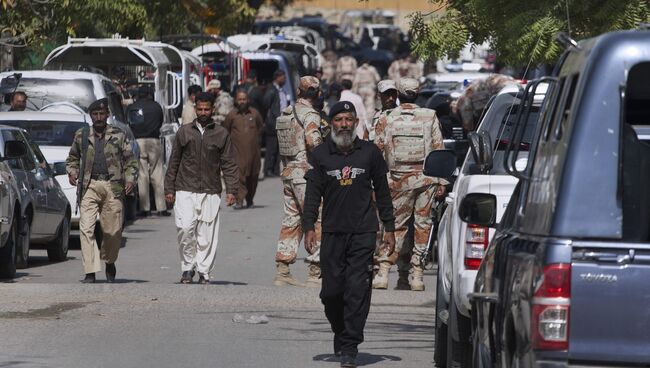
(84, 153)
(295, 115)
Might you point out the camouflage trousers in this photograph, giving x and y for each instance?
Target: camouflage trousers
(413, 204)
(291, 232)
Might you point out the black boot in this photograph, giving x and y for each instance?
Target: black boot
(110, 272)
(348, 360)
(337, 345)
(186, 277)
(89, 279)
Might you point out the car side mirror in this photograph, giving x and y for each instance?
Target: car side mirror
(440, 163)
(59, 168)
(479, 209)
(15, 149)
(480, 146)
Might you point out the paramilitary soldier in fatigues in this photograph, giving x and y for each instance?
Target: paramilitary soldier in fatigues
(474, 98)
(406, 135)
(104, 157)
(388, 97)
(298, 134)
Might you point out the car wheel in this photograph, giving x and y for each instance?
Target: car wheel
(58, 251)
(22, 251)
(8, 254)
(440, 347)
(459, 352)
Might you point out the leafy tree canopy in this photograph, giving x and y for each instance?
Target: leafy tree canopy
(519, 31)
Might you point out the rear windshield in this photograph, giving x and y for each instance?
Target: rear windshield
(49, 133)
(503, 136)
(43, 91)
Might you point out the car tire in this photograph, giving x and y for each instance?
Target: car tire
(440, 344)
(8, 254)
(459, 352)
(22, 249)
(58, 250)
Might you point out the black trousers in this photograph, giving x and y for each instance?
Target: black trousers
(346, 270)
(272, 157)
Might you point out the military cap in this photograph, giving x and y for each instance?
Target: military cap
(308, 82)
(408, 86)
(341, 107)
(101, 104)
(215, 83)
(386, 85)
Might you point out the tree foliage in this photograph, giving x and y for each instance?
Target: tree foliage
(520, 31)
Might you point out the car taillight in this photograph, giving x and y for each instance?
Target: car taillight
(551, 305)
(476, 240)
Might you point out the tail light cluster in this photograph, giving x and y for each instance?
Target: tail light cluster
(551, 303)
(476, 241)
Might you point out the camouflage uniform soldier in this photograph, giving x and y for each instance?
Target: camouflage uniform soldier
(388, 97)
(406, 135)
(109, 169)
(223, 103)
(346, 68)
(298, 134)
(474, 98)
(364, 85)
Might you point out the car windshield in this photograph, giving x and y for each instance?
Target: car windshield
(49, 133)
(43, 91)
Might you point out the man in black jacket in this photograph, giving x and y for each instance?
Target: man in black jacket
(145, 119)
(345, 171)
(275, 101)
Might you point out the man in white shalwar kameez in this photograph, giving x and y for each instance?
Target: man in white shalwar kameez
(201, 151)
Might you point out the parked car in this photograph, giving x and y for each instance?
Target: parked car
(45, 220)
(10, 209)
(460, 245)
(53, 132)
(71, 92)
(564, 280)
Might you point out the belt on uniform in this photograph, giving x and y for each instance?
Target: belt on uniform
(99, 177)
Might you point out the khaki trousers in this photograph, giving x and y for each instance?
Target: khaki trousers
(291, 232)
(151, 172)
(99, 199)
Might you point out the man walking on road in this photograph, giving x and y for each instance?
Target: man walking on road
(102, 155)
(276, 101)
(193, 184)
(145, 118)
(245, 126)
(388, 97)
(298, 134)
(406, 135)
(357, 101)
(345, 170)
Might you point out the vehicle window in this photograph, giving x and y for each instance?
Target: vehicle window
(49, 133)
(114, 100)
(43, 91)
(10, 135)
(39, 158)
(554, 100)
(566, 110)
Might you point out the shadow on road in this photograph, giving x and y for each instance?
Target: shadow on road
(363, 359)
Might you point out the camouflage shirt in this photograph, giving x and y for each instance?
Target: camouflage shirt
(406, 135)
(122, 163)
(476, 96)
(223, 105)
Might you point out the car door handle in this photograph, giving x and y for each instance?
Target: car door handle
(492, 298)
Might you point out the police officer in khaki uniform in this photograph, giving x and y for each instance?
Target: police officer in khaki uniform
(103, 155)
(298, 134)
(406, 135)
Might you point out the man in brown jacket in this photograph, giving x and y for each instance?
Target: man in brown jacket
(245, 126)
(201, 150)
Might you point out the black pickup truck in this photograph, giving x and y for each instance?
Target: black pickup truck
(565, 281)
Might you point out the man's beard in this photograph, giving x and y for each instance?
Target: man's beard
(203, 119)
(99, 125)
(343, 138)
(242, 107)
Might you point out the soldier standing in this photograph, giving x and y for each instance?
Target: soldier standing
(471, 103)
(364, 84)
(103, 156)
(406, 135)
(346, 68)
(223, 103)
(298, 134)
(388, 97)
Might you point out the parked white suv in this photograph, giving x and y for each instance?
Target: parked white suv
(460, 245)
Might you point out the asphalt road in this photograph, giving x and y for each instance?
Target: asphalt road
(148, 319)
